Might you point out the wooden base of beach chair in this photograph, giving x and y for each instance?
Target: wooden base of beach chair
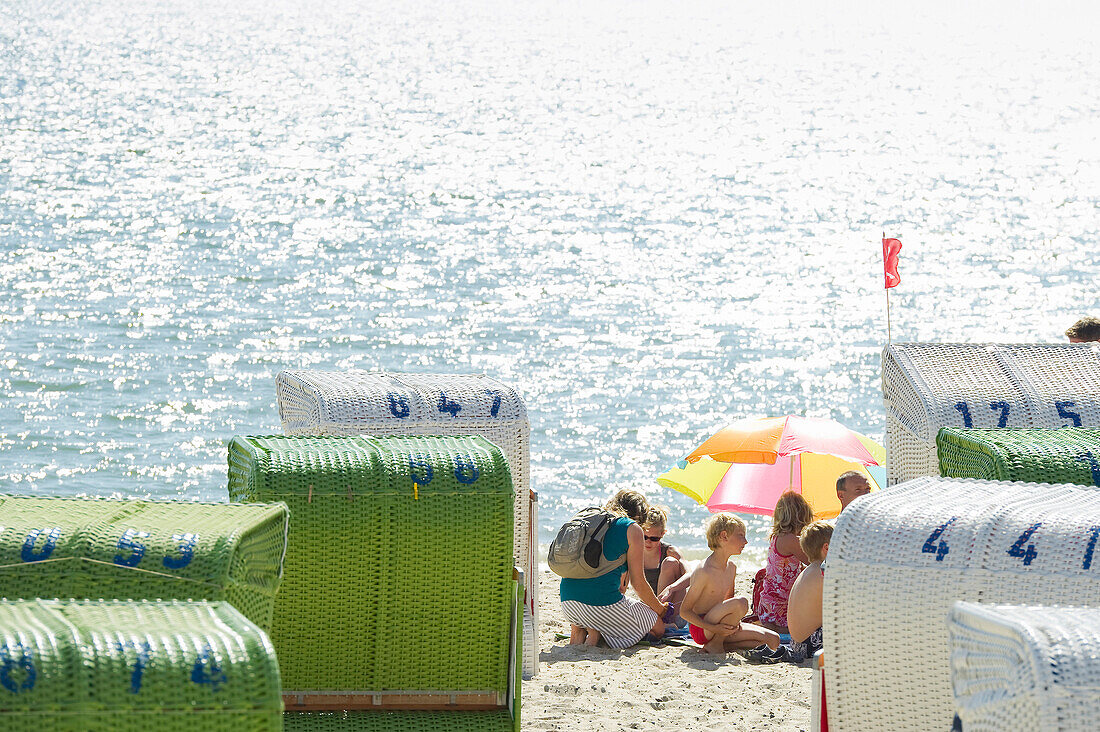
(389, 701)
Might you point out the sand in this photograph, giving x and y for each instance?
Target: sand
(656, 688)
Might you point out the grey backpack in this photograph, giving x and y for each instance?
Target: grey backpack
(577, 550)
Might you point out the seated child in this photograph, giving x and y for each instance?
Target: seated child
(711, 609)
(785, 559)
(804, 604)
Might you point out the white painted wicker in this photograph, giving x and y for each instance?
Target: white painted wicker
(926, 386)
(375, 403)
(899, 559)
(1025, 667)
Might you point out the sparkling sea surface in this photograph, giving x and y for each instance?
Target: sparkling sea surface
(650, 217)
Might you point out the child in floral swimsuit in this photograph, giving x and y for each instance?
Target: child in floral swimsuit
(785, 559)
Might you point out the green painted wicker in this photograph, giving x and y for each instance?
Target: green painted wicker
(399, 561)
(116, 666)
(112, 549)
(1066, 455)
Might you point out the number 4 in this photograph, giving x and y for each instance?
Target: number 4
(930, 546)
(1017, 549)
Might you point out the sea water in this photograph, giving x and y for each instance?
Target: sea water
(652, 218)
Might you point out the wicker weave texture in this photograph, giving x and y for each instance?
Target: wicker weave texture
(899, 560)
(927, 386)
(499, 721)
(126, 549)
(1025, 667)
(116, 666)
(1067, 455)
(399, 562)
(381, 404)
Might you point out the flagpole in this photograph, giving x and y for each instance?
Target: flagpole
(888, 333)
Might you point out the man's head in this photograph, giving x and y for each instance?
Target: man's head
(814, 540)
(725, 528)
(850, 486)
(1085, 330)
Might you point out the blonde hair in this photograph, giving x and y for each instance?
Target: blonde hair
(720, 522)
(814, 538)
(792, 512)
(656, 516)
(629, 504)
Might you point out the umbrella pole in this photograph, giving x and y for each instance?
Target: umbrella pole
(790, 480)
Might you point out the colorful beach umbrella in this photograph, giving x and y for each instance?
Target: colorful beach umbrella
(746, 466)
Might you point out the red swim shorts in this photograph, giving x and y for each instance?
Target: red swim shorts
(697, 634)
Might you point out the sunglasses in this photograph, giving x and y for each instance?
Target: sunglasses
(654, 538)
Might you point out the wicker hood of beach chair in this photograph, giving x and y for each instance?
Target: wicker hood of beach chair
(134, 666)
(898, 561)
(927, 386)
(1066, 455)
(399, 586)
(1025, 667)
(388, 403)
(97, 548)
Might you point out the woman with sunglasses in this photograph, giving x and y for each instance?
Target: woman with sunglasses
(663, 563)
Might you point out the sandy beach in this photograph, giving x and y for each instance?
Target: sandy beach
(656, 688)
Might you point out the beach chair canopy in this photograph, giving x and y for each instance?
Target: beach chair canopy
(1025, 667)
(898, 561)
(135, 666)
(927, 386)
(388, 403)
(400, 589)
(1066, 455)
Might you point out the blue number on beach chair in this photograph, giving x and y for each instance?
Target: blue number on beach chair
(965, 412)
(1066, 414)
(186, 548)
(495, 409)
(1017, 549)
(399, 405)
(420, 470)
(448, 407)
(930, 546)
(1092, 545)
(30, 555)
(1094, 466)
(126, 543)
(142, 658)
(206, 670)
(466, 471)
(1002, 421)
(17, 659)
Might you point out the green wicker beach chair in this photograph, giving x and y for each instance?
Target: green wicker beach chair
(400, 592)
(122, 666)
(114, 549)
(1067, 455)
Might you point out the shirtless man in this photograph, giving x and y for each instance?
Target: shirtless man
(710, 608)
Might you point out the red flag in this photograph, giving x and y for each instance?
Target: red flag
(890, 250)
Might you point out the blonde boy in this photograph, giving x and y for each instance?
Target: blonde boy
(711, 609)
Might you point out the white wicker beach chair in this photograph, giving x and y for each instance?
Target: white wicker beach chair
(1025, 667)
(926, 386)
(899, 560)
(372, 403)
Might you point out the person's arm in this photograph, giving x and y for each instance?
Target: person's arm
(787, 544)
(624, 581)
(680, 584)
(635, 567)
(673, 552)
